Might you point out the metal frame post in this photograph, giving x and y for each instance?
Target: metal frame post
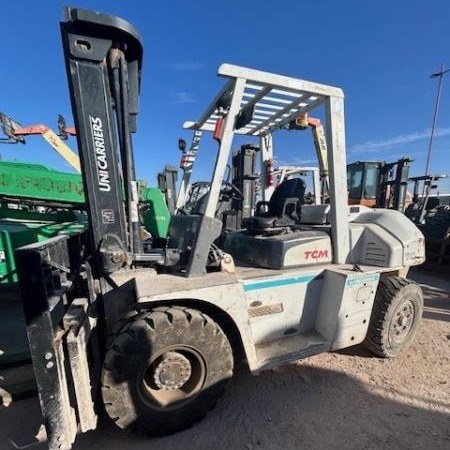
(189, 161)
(439, 75)
(266, 143)
(224, 148)
(401, 184)
(334, 110)
(206, 232)
(317, 187)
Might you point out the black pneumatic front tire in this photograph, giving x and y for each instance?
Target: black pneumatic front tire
(396, 317)
(165, 370)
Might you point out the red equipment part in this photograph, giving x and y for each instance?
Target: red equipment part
(270, 172)
(218, 129)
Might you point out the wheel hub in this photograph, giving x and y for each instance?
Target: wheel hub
(403, 320)
(172, 371)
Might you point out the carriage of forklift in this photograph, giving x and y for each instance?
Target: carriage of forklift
(153, 335)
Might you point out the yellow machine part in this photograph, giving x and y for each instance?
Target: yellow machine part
(55, 141)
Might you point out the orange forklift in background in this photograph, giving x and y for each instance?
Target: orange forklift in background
(378, 184)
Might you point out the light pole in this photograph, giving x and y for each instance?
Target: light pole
(439, 75)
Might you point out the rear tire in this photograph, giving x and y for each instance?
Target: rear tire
(165, 370)
(396, 317)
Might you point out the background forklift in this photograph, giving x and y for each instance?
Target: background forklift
(153, 334)
(433, 218)
(384, 185)
(378, 184)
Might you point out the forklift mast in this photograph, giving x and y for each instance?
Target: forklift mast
(244, 178)
(393, 184)
(103, 58)
(187, 165)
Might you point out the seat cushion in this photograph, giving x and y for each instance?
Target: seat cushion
(264, 222)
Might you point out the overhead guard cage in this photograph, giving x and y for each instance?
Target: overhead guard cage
(273, 101)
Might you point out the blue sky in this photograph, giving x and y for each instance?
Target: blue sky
(381, 53)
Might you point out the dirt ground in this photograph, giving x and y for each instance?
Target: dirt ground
(343, 400)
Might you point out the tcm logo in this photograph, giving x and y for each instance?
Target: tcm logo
(316, 254)
(104, 182)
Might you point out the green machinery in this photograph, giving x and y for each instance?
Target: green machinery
(21, 227)
(38, 203)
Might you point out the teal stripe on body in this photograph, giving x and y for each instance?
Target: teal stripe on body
(255, 285)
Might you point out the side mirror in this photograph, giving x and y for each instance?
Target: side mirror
(182, 144)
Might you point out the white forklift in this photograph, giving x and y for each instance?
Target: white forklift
(153, 335)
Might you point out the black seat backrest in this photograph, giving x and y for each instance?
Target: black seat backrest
(293, 188)
(433, 202)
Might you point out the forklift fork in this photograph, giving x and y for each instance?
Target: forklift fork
(59, 327)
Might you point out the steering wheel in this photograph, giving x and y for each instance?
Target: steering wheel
(229, 191)
(200, 189)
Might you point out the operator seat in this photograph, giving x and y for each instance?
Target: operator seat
(283, 209)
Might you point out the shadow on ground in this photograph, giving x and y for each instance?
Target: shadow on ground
(436, 293)
(294, 407)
